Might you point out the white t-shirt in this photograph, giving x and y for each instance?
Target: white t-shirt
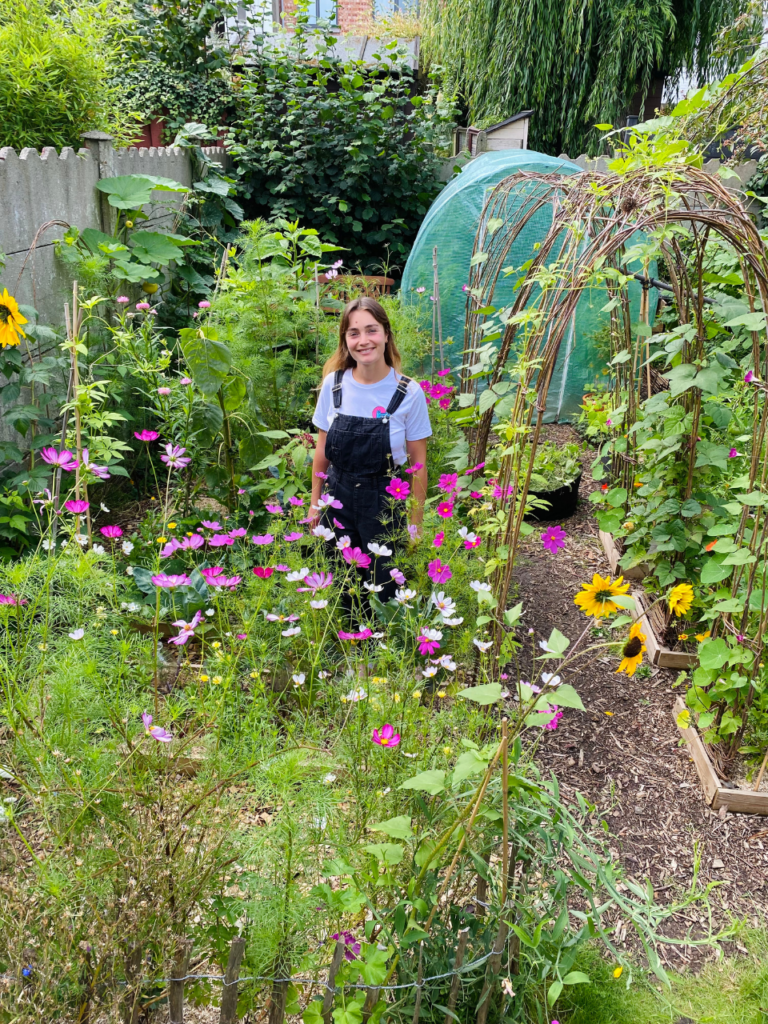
(409, 423)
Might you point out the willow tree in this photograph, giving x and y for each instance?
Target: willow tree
(575, 62)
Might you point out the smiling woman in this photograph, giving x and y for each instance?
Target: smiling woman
(371, 420)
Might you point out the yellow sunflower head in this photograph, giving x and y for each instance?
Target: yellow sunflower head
(680, 598)
(596, 598)
(633, 650)
(10, 320)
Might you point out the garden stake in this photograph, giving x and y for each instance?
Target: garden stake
(338, 953)
(228, 1013)
(505, 809)
(176, 987)
(482, 889)
(419, 983)
(756, 786)
(371, 998)
(131, 1003)
(494, 963)
(453, 995)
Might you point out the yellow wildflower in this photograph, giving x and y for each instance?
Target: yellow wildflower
(596, 597)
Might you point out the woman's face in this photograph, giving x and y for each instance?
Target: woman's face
(366, 338)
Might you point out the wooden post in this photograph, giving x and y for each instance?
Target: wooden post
(131, 1000)
(420, 978)
(505, 811)
(481, 893)
(228, 1013)
(371, 998)
(279, 995)
(494, 963)
(338, 953)
(456, 980)
(176, 988)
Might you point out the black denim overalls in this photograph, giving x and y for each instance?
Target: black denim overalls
(360, 454)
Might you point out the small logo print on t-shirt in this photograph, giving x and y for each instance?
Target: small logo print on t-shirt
(379, 412)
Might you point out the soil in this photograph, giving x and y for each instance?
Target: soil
(625, 754)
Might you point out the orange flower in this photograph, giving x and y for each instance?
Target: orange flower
(711, 545)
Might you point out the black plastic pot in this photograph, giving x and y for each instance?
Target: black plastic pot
(562, 502)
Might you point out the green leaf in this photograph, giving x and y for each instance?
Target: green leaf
(154, 247)
(553, 992)
(565, 697)
(386, 853)
(206, 420)
(395, 828)
(557, 643)
(753, 499)
(616, 496)
(470, 763)
(488, 693)
(714, 571)
(233, 392)
(431, 782)
(576, 978)
(207, 358)
(132, 191)
(713, 654)
(313, 1013)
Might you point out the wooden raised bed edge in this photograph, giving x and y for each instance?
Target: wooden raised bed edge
(611, 549)
(658, 654)
(740, 801)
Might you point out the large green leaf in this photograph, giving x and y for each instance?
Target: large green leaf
(713, 654)
(714, 571)
(132, 191)
(488, 693)
(154, 247)
(207, 358)
(470, 763)
(431, 782)
(395, 828)
(206, 420)
(386, 853)
(565, 697)
(233, 392)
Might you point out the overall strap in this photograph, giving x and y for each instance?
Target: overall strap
(398, 396)
(336, 389)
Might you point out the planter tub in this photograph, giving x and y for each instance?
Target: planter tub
(611, 549)
(562, 502)
(738, 801)
(653, 623)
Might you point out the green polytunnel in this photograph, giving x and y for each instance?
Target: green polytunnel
(451, 224)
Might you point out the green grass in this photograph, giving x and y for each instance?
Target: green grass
(732, 991)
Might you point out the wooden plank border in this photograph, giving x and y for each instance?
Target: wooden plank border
(612, 553)
(738, 801)
(658, 654)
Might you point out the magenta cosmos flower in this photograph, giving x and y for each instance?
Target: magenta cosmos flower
(439, 572)
(76, 506)
(354, 556)
(11, 599)
(387, 737)
(111, 532)
(221, 540)
(296, 501)
(553, 538)
(146, 435)
(155, 731)
(398, 577)
(170, 582)
(317, 581)
(276, 510)
(415, 467)
(362, 635)
(223, 581)
(429, 641)
(439, 538)
(100, 472)
(398, 488)
(173, 457)
(211, 524)
(64, 458)
(294, 535)
(263, 572)
(264, 538)
(445, 509)
(449, 482)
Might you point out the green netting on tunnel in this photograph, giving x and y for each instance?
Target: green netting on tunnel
(451, 224)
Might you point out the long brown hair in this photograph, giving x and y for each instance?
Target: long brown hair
(341, 358)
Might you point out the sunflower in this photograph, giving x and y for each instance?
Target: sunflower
(632, 652)
(10, 320)
(680, 598)
(596, 596)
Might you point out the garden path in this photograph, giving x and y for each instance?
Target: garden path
(626, 756)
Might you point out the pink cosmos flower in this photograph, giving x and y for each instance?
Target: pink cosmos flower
(168, 549)
(192, 543)
(264, 538)
(173, 457)
(420, 291)
(146, 435)
(221, 540)
(76, 506)
(415, 467)
(439, 538)
(223, 581)
(475, 494)
(242, 636)
(553, 538)
(338, 525)
(100, 472)
(444, 373)
(293, 500)
(321, 475)
(155, 731)
(316, 581)
(354, 556)
(122, 299)
(294, 535)
(552, 725)
(11, 599)
(211, 524)
(185, 381)
(445, 403)
(438, 572)
(111, 532)
(398, 488)
(170, 582)
(503, 492)
(274, 617)
(445, 509)
(187, 629)
(362, 635)
(429, 642)
(205, 304)
(263, 572)
(449, 482)
(398, 577)
(163, 391)
(64, 458)
(732, 454)
(283, 568)
(238, 533)
(475, 469)
(328, 501)
(387, 737)
(276, 510)
(211, 571)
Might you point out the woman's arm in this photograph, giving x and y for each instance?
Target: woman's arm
(417, 454)
(319, 465)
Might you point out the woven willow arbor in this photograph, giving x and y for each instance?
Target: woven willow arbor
(601, 223)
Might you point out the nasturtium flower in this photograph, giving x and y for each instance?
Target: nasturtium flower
(596, 598)
(10, 320)
(632, 652)
(387, 737)
(155, 731)
(680, 598)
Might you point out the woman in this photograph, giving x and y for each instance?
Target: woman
(371, 421)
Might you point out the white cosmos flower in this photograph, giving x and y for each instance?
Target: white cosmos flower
(373, 588)
(355, 695)
(323, 531)
(98, 549)
(325, 500)
(77, 634)
(483, 645)
(323, 675)
(210, 611)
(549, 680)
(293, 631)
(133, 607)
(448, 663)
(453, 622)
(403, 595)
(444, 604)
(379, 549)
(429, 671)
(299, 574)
(298, 679)
(343, 542)
(329, 778)
(432, 634)
(377, 636)
(478, 586)
(317, 605)
(127, 547)
(545, 646)
(129, 571)
(81, 539)
(104, 507)
(49, 544)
